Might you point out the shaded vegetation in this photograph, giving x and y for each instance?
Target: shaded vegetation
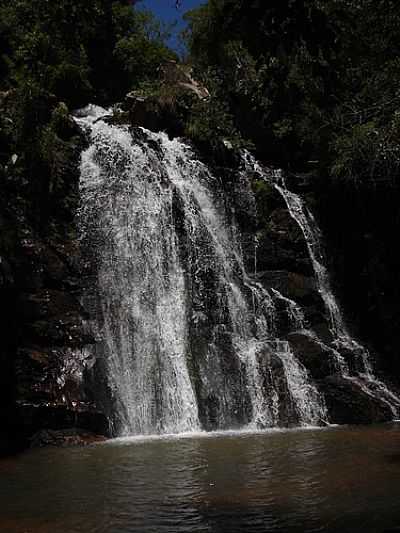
(56, 56)
(313, 84)
(79, 50)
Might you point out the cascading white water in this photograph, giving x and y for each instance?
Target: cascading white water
(342, 339)
(141, 283)
(188, 339)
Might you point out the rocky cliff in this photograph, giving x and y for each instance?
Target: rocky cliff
(43, 358)
(361, 223)
(49, 376)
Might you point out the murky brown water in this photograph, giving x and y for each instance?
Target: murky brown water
(334, 480)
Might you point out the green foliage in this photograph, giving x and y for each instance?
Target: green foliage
(210, 120)
(79, 50)
(272, 65)
(54, 151)
(40, 175)
(138, 58)
(56, 56)
(368, 153)
(265, 197)
(306, 80)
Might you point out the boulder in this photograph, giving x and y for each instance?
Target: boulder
(64, 438)
(318, 358)
(348, 403)
(36, 418)
(156, 112)
(295, 286)
(282, 245)
(173, 73)
(146, 111)
(165, 107)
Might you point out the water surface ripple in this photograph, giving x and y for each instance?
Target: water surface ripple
(338, 479)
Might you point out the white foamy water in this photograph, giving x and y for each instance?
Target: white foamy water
(342, 339)
(188, 339)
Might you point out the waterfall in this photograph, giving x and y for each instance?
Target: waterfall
(363, 373)
(189, 340)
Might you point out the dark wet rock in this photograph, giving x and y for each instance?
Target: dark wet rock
(224, 155)
(6, 275)
(313, 354)
(64, 438)
(166, 107)
(140, 137)
(55, 417)
(46, 304)
(291, 284)
(302, 290)
(154, 112)
(147, 112)
(52, 374)
(43, 354)
(347, 403)
(231, 407)
(58, 270)
(320, 326)
(282, 246)
(362, 259)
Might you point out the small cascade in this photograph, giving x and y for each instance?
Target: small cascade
(189, 340)
(312, 235)
(343, 343)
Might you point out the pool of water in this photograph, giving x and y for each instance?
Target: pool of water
(331, 480)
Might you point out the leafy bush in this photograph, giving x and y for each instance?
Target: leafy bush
(57, 56)
(79, 50)
(368, 153)
(305, 80)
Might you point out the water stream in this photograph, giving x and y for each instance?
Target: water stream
(342, 339)
(189, 340)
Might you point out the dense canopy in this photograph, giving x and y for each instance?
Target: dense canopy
(307, 80)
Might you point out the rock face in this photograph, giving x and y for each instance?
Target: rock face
(313, 354)
(333, 359)
(281, 253)
(364, 259)
(51, 386)
(349, 404)
(64, 438)
(172, 73)
(283, 261)
(42, 355)
(166, 107)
